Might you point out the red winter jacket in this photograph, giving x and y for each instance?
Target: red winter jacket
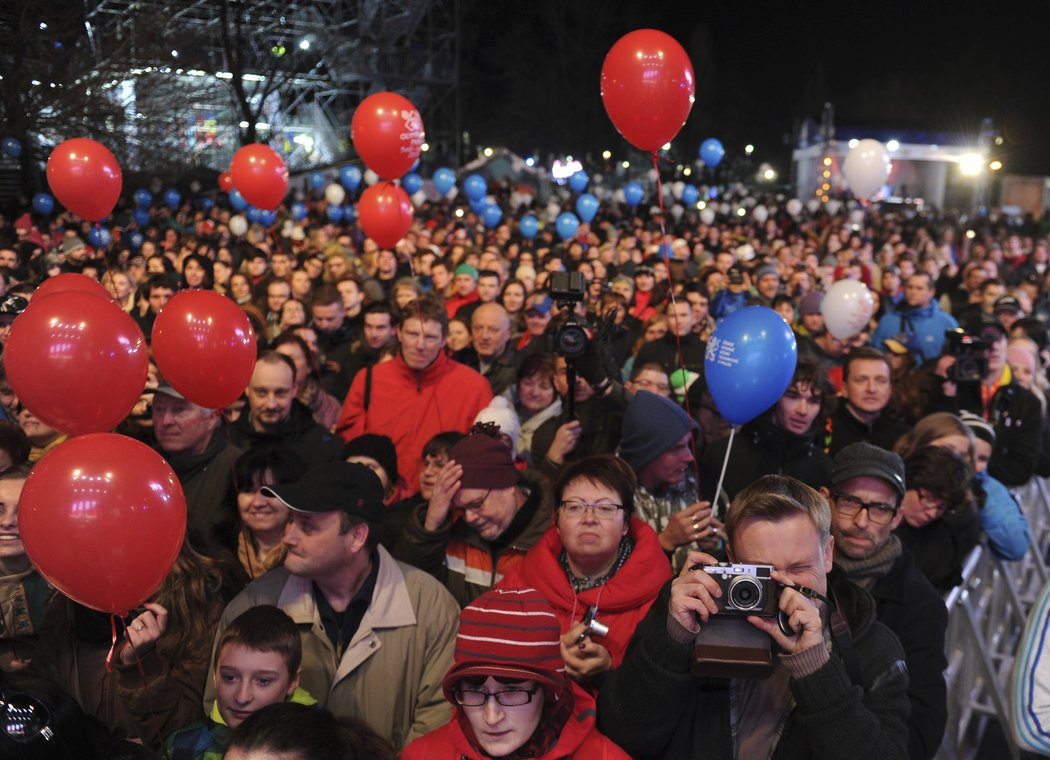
(411, 407)
(623, 600)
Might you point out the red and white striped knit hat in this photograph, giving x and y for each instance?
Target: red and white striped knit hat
(509, 634)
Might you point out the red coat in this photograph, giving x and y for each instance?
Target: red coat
(579, 739)
(411, 407)
(622, 601)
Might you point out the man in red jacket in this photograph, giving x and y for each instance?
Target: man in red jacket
(417, 395)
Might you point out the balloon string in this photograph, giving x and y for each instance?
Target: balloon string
(113, 641)
(679, 359)
(725, 464)
(142, 671)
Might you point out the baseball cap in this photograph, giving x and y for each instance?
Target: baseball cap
(859, 459)
(644, 269)
(13, 305)
(331, 487)
(166, 390)
(1008, 304)
(540, 304)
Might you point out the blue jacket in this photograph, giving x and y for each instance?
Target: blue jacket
(1002, 520)
(726, 302)
(926, 323)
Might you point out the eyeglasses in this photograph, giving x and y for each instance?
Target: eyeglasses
(576, 509)
(508, 698)
(23, 717)
(879, 512)
(476, 504)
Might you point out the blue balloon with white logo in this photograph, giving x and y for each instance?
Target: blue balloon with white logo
(99, 237)
(172, 198)
(207, 203)
(141, 217)
(633, 193)
(238, 201)
(690, 195)
(711, 152)
(11, 147)
(491, 215)
(349, 177)
(43, 203)
(412, 183)
(298, 211)
(135, 239)
(528, 226)
(254, 215)
(335, 213)
(586, 207)
(578, 181)
(567, 225)
(267, 217)
(475, 187)
(444, 179)
(749, 363)
(317, 181)
(349, 214)
(143, 197)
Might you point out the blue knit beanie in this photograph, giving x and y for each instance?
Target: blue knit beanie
(652, 425)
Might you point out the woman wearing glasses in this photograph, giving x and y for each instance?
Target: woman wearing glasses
(510, 696)
(596, 563)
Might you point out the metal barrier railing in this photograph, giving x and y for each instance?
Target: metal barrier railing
(986, 616)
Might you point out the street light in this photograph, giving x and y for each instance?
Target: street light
(606, 154)
(995, 166)
(749, 149)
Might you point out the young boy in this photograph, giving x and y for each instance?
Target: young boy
(257, 663)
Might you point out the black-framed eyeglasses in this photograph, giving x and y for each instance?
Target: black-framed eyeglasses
(506, 698)
(476, 504)
(879, 512)
(23, 717)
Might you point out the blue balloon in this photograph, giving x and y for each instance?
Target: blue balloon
(578, 181)
(711, 152)
(712, 193)
(491, 215)
(749, 363)
(237, 200)
(11, 147)
(317, 181)
(207, 203)
(528, 226)
(43, 203)
(444, 179)
(298, 211)
(349, 177)
(586, 207)
(135, 239)
(475, 187)
(141, 217)
(349, 214)
(690, 195)
(412, 183)
(254, 215)
(172, 198)
(633, 193)
(267, 218)
(478, 206)
(567, 225)
(99, 237)
(143, 197)
(335, 213)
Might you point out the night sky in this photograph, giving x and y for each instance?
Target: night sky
(531, 72)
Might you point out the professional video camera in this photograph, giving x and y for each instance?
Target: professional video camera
(971, 364)
(570, 339)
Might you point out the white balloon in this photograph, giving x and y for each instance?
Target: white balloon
(813, 205)
(654, 210)
(596, 179)
(238, 225)
(335, 194)
(452, 193)
(419, 198)
(195, 186)
(723, 209)
(618, 196)
(833, 206)
(371, 177)
(553, 209)
(652, 175)
(707, 216)
(856, 216)
(677, 211)
(794, 207)
(677, 188)
(847, 307)
(760, 213)
(749, 202)
(866, 168)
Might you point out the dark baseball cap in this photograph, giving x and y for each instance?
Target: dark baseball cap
(859, 459)
(1008, 304)
(331, 487)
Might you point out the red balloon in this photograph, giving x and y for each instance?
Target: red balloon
(225, 181)
(76, 361)
(103, 517)
(385, 213)
(260, 175)
(647, 87)
(71, 281)
(204, 346)
(387, 131)
(85, 177)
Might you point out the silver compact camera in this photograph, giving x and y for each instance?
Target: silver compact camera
(746, 589)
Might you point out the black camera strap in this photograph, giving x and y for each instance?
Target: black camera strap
(844, 641)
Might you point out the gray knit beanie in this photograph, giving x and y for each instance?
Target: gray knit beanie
(652, 425)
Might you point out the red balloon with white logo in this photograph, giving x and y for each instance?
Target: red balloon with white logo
(388, 134)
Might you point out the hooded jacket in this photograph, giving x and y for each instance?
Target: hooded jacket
(926, 323)
(299, 433)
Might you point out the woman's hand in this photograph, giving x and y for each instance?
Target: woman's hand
(143, 633)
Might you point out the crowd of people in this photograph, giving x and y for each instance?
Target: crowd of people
(468, 504)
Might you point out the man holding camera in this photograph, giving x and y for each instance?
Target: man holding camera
(836, 687)
(917, 315)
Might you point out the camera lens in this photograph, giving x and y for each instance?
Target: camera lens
(745, 593)
(572, 341)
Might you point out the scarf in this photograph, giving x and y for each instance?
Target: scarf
(580, 585)
(864, 572)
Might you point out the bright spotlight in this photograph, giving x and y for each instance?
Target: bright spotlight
(606, 154)
(304, 44)
(749, 149)
(626, 164)
(995, 166)
(487, 152)
(666, 146)
(892, 145)
(971, 165)
(854, 143)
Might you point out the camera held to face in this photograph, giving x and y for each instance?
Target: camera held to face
(746, 589)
